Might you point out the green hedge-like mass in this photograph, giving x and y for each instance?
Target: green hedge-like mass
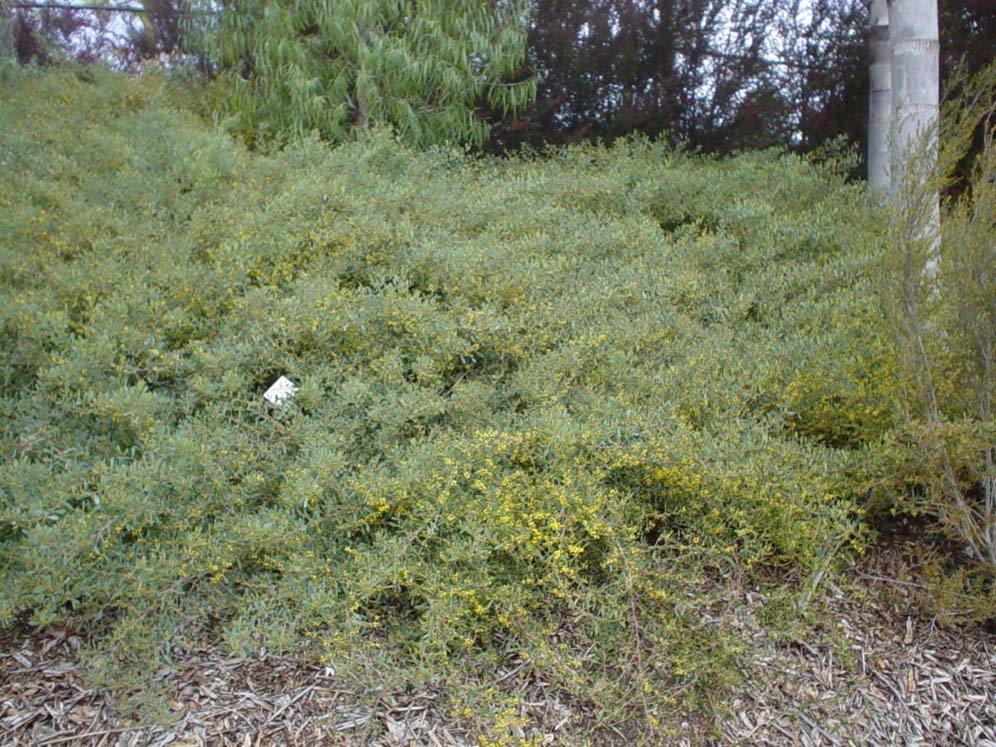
(549, 406)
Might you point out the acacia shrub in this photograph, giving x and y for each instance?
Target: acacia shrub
(532, 423)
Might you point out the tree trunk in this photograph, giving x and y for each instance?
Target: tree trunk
(880, 99)
(664, 64)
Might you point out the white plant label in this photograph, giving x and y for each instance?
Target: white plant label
(281, 390)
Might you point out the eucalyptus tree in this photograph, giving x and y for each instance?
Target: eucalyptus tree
(423, 67)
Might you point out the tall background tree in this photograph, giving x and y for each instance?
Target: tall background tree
(829, 44)
(124, 36)
(718, 75)
(418, 66)
(968, 34)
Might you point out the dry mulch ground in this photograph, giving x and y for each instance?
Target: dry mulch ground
(889, 677)
(262, 700)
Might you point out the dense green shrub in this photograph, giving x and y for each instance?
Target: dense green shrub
(547, 404)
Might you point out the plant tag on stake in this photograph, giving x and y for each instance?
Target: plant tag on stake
(280, 391)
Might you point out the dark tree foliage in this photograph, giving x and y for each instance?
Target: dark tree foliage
(833, 62)
(40, 34)
(968, 45)
(124, 39)
(161, 30)
(720, 75)
(968, 33)
(610, 67)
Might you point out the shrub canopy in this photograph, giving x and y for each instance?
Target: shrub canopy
(540, 399)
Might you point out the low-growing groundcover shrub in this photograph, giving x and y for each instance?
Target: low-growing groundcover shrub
(552, 410)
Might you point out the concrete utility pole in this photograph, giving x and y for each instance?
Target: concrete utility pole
(8, 52)
(915, 75)
(880, 99)
(915, 69)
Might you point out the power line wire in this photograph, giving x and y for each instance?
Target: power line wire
(137, 9)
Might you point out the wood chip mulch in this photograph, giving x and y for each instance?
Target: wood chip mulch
(887, 676)
(877, 674)
(244, 702)
(259, 701)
